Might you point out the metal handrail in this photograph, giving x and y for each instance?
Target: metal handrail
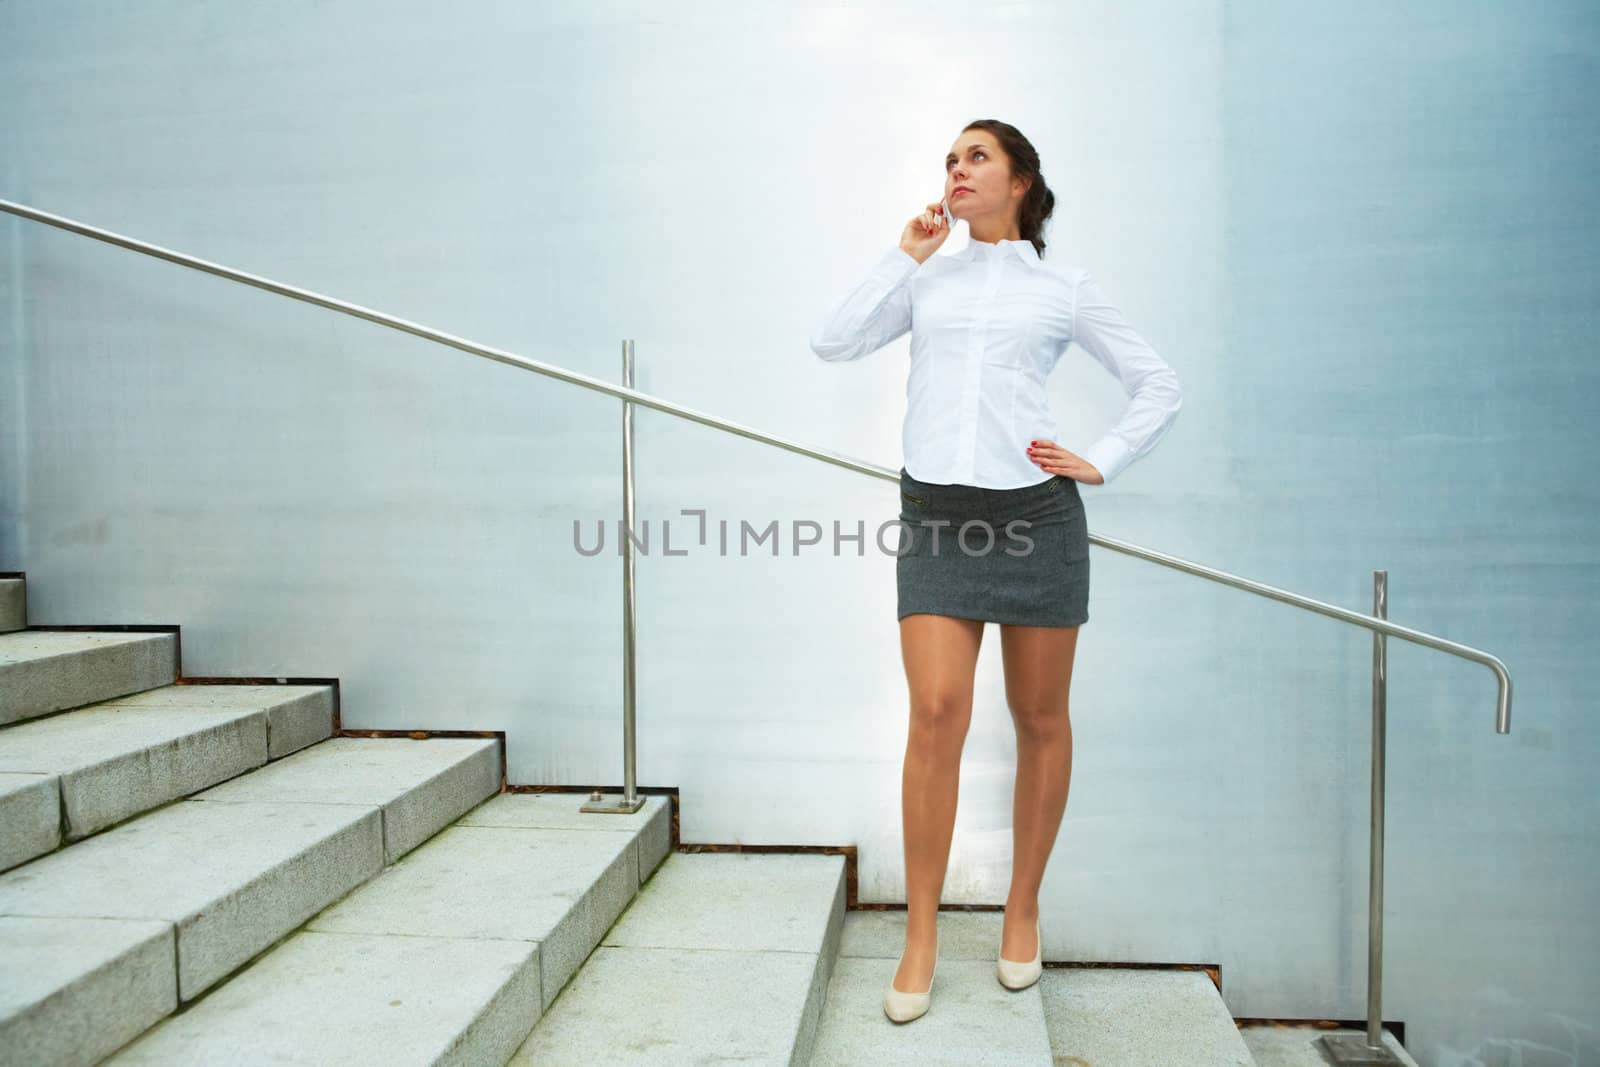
(1340, 1049)
(500, 355)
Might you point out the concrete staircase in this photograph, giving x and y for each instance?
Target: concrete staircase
(206, 874)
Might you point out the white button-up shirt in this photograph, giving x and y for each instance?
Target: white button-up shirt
(988, 324)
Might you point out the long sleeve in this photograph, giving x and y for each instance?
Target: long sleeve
(1155, 396)
(872, 314)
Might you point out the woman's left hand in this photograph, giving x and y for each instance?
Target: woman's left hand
(1057, 460)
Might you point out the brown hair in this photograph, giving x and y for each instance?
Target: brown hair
(1038, 202)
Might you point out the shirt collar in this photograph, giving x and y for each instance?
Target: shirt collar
(1023, 250)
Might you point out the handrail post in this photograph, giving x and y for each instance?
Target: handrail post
(1348, 1048)
(630, 801)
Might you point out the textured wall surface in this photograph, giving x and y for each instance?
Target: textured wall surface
(1364, 235)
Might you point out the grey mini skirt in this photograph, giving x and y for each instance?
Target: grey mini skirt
(1018, 556)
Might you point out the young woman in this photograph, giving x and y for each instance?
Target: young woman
(990, 501)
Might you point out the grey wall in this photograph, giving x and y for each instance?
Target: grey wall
(1363, 235)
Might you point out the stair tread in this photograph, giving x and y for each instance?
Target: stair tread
(704, 1006)
(45, 671)
(1127, 1016)
(120, 968)
(45, 952)
(735, 949)
(23, 646)
(168, 864)
(351, 770)
(1141, 1017)
(972, 1018)
(482, 882)
(358, 998)
(81, 737)
(216, 695)
(739, 901)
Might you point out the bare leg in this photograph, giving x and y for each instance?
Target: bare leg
(1038, 666)
(941, 656)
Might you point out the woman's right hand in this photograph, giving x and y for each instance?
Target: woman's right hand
(926, 232)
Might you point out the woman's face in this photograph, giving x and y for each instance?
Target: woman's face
(976, 163)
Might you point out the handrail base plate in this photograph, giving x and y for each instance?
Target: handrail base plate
(1353, 1049)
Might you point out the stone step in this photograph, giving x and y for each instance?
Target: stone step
(1129, 1017)
(1142, 1017)
(972, 1018)
(724, 957)
(42, 671)
(66, 776)
(450, 955)
(13, 604)
(228, 873)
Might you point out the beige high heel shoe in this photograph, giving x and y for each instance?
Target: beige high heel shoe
(903, 1007)
(1014, 975)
